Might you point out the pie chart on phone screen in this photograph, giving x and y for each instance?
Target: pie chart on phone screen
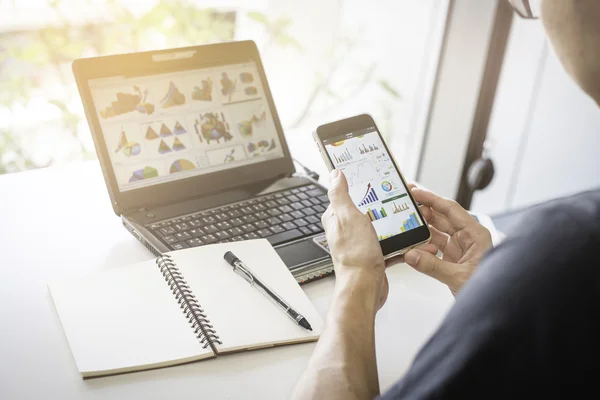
(386, 186)
(181, 165)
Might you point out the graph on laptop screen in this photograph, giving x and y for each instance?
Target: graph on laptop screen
(373, 182)
(166, 127)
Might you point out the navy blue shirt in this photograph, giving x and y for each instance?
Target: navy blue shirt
(527, 324)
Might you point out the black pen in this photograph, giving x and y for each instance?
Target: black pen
(244, 272)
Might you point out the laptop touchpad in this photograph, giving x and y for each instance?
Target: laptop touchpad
(300, 253)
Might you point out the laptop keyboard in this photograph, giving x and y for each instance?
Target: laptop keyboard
(280, 217)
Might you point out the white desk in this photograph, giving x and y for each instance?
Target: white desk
(58, 222)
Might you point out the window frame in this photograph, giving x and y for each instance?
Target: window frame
(462, 101)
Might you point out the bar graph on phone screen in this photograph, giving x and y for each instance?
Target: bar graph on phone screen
(374, 184)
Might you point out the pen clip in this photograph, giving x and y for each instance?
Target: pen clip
(244, 273)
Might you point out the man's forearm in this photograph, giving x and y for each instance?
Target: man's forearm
(343, 365)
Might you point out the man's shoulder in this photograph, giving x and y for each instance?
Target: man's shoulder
(584, 203)
(550, 239)
(578, 214)
(522, 291)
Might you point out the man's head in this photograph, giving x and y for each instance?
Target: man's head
(573, 27)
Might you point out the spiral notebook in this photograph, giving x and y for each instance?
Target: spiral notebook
(185, 306)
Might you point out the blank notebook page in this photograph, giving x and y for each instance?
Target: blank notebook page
(124, 319)
(242, 316)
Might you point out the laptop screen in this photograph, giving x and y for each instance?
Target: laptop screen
(176, 125)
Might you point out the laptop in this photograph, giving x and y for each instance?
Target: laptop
(193, 153)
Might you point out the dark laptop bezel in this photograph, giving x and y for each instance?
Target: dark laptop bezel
(140, 64)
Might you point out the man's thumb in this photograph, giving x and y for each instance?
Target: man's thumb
(430, 265)
(338, 189)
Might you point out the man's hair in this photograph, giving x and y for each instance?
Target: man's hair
(573, 26)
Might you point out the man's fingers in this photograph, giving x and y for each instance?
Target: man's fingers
(437, 220)
(427, 212)
(450, 209)
(412, 185)
(326, 217)
(430, 265)
(428, 247)
(438, 239)
(338, 193)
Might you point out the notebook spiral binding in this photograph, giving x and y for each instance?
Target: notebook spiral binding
(195, 315)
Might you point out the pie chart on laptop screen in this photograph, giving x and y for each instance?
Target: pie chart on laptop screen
(181, 165)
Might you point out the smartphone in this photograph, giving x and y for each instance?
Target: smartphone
(376, 185)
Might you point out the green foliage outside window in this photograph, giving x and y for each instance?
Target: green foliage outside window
(36, 64)
(35, 69)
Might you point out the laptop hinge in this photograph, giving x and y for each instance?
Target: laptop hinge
(148, 208)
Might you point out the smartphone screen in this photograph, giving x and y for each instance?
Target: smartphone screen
(374, 182)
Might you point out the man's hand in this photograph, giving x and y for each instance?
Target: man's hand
(343, 365)
(462, 240)
(355, 250)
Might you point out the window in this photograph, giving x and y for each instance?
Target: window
(325, 59)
